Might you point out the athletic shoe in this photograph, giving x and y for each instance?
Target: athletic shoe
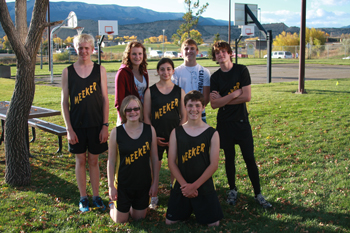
(84, 205)
(99, 203)
(261, 200)
(154, 203)
(232, 197)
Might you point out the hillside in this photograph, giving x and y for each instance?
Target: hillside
(147, 23)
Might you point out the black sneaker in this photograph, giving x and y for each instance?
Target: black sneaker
(99, 203)
(84, 205)
(232, 197)
(261, 200)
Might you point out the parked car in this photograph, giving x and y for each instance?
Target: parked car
(156, 53)
(96, 50)
(60, 51)
(171, 54)
(265, 56)
(72, 51)
(240, 55)
(204, 54)
(282, 54)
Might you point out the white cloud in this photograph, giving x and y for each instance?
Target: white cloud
(327, 3)
(314, 18)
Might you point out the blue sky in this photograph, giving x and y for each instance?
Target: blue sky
(320, 13)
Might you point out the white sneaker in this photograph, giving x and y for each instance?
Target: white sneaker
(154, 203)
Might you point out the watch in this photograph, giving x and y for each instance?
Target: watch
(106, 124)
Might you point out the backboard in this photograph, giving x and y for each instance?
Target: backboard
(72, 20)
(107, 27)
(240, 13)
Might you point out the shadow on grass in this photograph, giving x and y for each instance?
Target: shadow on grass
(249, 215)
(44, 181)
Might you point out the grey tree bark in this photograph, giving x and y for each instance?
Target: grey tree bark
(25, 45)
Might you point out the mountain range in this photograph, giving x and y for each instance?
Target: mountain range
(145, 23)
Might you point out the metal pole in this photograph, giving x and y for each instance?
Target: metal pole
(48, 34)
(301, 88)
(269, 51)
(99, 48)
(163, 41)
(41, 55)
(229, 22)
(259, 9)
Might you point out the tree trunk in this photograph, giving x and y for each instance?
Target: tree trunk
(26, 47)
(18, 172)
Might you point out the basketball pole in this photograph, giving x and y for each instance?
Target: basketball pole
(99, 48)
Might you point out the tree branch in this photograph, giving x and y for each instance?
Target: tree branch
(9, 29)
(37, 26)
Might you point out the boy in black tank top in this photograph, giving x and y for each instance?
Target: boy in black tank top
(85, 109)
(193, 158)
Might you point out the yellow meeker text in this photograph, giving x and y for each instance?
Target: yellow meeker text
(166, 108)
(87, 91)
(137, 154)
(194, 151)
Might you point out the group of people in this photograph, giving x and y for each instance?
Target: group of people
(167, 117)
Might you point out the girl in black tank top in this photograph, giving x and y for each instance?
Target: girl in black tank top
(132, 146)
(164, 108)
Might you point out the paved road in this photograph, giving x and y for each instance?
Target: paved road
(258, 73)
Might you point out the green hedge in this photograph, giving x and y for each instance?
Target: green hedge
(6, 51)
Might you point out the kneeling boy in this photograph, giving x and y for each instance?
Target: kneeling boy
(193, 158)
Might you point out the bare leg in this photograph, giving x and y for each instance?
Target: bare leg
(94, 170)
(138, 214)
(169, 222)
(118, 216)
(214, 224)
(80, 173)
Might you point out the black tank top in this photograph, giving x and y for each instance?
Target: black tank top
(165, 110)
(193, 157)
(133, 163)
(86, 106)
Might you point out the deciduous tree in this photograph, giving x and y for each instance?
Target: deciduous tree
(191, 18)
(217, 37)
(25, 44)
(194, 34)
(6, 44)
(315, 36)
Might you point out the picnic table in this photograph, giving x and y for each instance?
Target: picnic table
(35, 112)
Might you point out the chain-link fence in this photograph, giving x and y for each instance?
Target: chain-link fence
(336, 50)
(328, 51)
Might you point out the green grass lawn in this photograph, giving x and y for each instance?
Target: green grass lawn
(113, 66)
(302, 150)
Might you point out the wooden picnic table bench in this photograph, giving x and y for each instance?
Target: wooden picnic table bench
(34, 122)
(48, 127)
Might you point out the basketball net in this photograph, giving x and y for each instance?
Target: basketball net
(79, 30)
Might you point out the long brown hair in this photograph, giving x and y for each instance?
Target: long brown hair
(126, 56)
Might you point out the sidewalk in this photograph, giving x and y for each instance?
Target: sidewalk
(258, 73)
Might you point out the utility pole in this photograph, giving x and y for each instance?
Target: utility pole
(229, 22)
(301, 87)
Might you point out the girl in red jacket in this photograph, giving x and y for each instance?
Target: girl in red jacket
(132, 76)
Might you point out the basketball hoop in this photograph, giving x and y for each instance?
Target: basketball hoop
(109, 30)
(79, 30)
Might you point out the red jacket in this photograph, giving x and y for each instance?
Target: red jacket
(125, 85)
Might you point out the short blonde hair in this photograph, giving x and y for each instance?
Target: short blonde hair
(125, 103)
(82, 38)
